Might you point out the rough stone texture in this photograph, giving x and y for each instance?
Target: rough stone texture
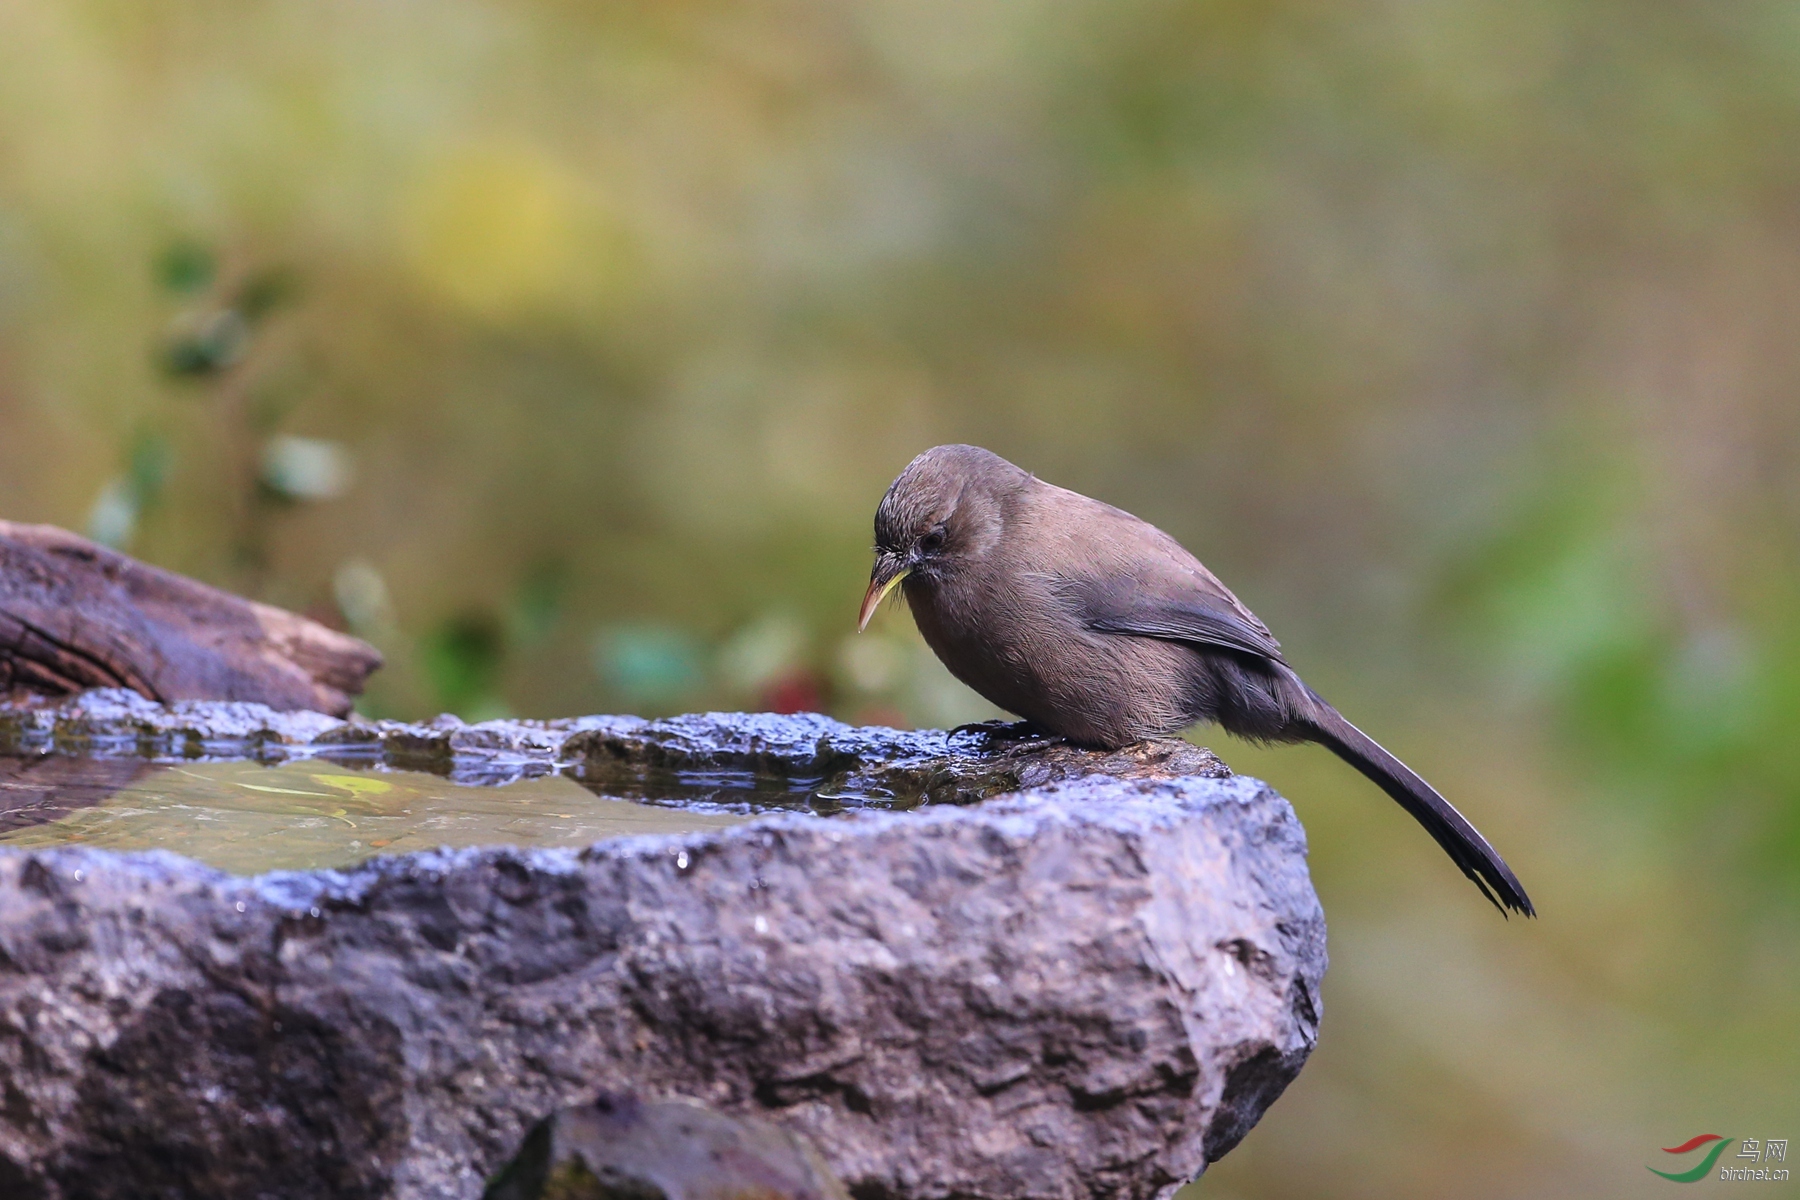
(76, 615)
(928, 764)
(1090, 988)
(623, 1148)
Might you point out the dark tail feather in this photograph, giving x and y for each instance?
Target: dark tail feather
(1460, 840)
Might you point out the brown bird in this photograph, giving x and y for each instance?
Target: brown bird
(1100, 628)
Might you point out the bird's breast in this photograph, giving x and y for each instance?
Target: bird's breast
(1024, 651)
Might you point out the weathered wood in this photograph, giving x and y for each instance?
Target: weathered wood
(75, 615)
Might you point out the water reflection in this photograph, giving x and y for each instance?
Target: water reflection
(247, 818)
(38, 790)
(738, 791)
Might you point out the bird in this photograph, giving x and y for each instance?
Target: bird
(1099, 628)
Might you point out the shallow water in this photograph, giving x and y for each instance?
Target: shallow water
(246, 817)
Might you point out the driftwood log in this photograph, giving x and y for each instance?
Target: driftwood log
(75, 615)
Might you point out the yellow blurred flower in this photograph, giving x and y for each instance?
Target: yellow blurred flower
(492, 229)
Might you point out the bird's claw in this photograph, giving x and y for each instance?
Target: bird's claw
(1021, 734)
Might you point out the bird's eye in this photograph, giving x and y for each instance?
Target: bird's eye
(932, 542)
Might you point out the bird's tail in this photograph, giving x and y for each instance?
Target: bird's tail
(1460, 840)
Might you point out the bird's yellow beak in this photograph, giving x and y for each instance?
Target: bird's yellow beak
(881, 583)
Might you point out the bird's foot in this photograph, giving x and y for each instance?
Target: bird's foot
(998, 729)
(1015, 735)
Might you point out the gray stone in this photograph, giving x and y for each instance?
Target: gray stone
(929, 764)
(623, 1148)
(1091, 987)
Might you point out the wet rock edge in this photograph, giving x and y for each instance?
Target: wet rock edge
(970, 1060)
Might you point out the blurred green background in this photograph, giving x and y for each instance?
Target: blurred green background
(564, 351)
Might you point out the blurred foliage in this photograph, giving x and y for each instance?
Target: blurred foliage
(462, 659)
(649, 664)
(254, 472)
(1456, 335)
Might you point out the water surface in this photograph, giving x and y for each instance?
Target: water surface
(247, 817)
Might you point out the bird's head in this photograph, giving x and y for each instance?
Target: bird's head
(946, 510)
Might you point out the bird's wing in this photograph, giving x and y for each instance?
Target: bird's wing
(1122, 604)
(1136, 580)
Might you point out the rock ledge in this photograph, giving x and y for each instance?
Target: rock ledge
(1090, 987)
